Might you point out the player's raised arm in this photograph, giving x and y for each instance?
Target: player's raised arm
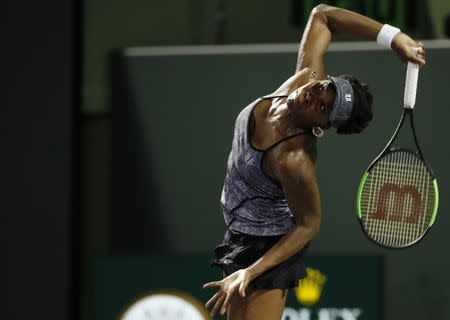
(326, 20)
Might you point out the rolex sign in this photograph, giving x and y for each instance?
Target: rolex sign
(337, 287)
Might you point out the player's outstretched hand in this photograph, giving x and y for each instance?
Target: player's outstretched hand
(235, 283)
(403, 45)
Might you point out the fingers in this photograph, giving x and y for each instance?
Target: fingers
(419, 54)
(218, 304)
(242, 288)
(232, 284)
(225, 304)
(212, 284)
(214, 297)
(222, 300)
(409, 49)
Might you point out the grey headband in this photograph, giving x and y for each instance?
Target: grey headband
(343, 104)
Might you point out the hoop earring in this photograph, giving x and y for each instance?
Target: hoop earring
(317, 131)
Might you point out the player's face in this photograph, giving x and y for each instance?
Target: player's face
(313, 102)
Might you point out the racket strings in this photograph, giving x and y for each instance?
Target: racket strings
(397, 199)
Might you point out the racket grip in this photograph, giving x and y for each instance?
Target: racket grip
(412, 75)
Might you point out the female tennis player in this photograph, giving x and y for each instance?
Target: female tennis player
(270, 197)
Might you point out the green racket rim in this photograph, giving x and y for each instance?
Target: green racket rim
(436, 202)
(358, 197)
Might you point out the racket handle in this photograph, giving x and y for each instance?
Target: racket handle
(412, 75)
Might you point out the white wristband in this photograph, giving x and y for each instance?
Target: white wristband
(386, 34)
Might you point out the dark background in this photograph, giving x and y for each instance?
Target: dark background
(39, 204)
(56, 127)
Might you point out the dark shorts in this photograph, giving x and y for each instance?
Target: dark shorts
(239, 251)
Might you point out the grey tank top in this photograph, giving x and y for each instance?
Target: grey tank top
(252, 202)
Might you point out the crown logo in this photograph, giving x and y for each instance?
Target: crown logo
(309, 289)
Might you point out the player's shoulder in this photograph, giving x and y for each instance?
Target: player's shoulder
(297, 155)
(301, 147)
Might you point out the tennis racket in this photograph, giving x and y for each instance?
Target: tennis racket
(398, 194)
